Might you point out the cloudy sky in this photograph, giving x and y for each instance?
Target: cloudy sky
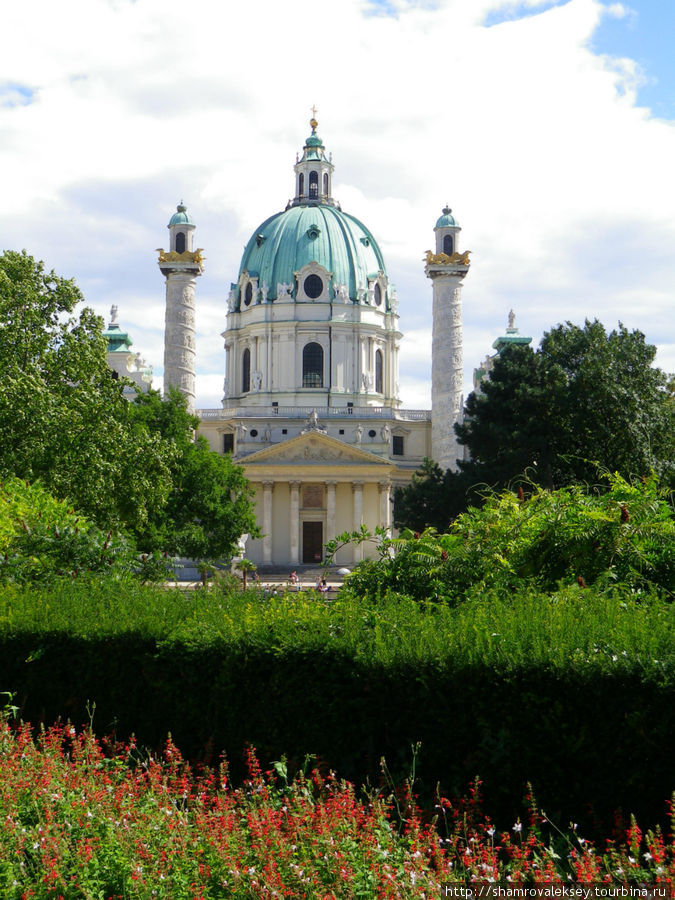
(549, 128)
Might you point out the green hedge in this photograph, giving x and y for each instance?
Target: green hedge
(575, 692)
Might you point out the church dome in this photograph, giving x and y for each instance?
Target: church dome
(321, 234)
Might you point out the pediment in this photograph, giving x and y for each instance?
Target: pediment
(314, 447)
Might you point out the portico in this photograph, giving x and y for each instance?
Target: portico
(310, 489)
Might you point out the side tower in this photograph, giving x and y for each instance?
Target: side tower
(180, 265)
(447, 268)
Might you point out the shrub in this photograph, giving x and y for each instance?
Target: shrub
(42, 538)
(624, 537)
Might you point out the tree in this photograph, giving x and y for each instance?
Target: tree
(432, 499)
(585, 402)
(209, 505)
(63, 418)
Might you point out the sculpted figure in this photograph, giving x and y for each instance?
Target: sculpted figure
(264, 291)
(231, 300)
(358, 434)
(284, 290)
(367, 381)
(385, 432)
(256, 380)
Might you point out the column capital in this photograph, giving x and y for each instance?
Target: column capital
(384, 486)
(357, 486)
(294, 485)
(268, 484)
(331, 483)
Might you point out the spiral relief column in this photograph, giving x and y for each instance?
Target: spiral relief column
(447, 269)
(181, 266)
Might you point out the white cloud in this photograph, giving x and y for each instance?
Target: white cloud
(562, 184)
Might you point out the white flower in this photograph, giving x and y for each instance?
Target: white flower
(648, 856)
(491, 832)
(518, 827)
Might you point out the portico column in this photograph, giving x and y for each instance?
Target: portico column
(385, 506)
(267, 522)
(357, 489)
(295, 522)
(330, 510)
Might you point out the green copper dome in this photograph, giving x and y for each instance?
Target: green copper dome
(181, 216)
(447, 220)
(289, 240)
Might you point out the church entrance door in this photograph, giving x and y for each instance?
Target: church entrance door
(312, 542)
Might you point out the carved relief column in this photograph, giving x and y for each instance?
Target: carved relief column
(357, 489)
(295, 522)
(385, 505)
(268, 486)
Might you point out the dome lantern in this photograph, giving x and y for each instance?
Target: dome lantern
(313, 171)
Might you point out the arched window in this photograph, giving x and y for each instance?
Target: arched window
(246, 371)
(313, 185)
(378, 372)
(325, 184)
(301, 185)
(448, 245)
(312, 366)
(180, 242)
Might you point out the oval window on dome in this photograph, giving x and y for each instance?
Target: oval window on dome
(248, 294)
(377, 295)
(313, 286)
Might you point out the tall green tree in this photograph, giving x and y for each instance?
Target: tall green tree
(432, 499)
(210, 502)
(585, 402)
(63, 419)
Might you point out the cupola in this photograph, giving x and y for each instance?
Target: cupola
(447, 231)
(313, 172)
(181, 227)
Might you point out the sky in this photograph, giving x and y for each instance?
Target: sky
(548, 126)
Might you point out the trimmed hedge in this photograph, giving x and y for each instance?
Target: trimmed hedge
(574, 693)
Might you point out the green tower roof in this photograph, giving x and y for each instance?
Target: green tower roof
(447, 220)
(181, 216)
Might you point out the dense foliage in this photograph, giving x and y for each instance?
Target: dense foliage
(63, 418)
(65, 422)
(572, 691)
(210, 502)
(84, 820)
(42, 538)
(585, 402)
(624, 535)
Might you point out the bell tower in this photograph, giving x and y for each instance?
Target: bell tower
(181, 265)
(446, 268)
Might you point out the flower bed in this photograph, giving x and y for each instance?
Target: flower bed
(81, 820)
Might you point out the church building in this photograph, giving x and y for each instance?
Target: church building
(311, 407)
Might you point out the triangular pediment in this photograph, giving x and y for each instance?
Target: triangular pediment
(314, 448)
